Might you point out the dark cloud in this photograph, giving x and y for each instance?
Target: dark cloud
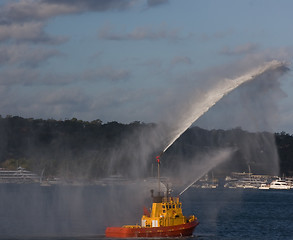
(23, 11)
(94, 5)
(24, 20)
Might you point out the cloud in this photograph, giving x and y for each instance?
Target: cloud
(140, 33)
(240, 50)
(27, 32)
(25, 55)
(115, 104)
(63, 96)
(24, 20)
(125, 105)
(29, 10)
(214, 36)
(107, 73)
(15, 76)
(24, 76)
(93, 5)
(209, 76)
(33, 77)
(61, 103)
(282, 54)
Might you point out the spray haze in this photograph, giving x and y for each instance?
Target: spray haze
(139, 148)
(206, 100)
(258, 150)
(200, 168)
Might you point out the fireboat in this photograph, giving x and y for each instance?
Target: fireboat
(165, 219)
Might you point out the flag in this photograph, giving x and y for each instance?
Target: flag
(158, 159)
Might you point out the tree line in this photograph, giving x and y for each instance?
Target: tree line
(74, 148)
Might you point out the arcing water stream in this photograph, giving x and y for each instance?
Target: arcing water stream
(211, 97)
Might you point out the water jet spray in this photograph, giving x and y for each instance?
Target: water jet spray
(215, 94)
(212, 96)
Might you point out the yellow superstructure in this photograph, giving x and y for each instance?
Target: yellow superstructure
(166, 211)
(165, 219)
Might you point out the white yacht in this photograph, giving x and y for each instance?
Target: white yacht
(264, 186)
(279, 184)
(18, 176)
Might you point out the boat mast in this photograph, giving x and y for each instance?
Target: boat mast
(159, 185)
(249, 173)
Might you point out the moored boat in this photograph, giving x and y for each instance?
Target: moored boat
(20, 175)
(264, 186)
(279, 184)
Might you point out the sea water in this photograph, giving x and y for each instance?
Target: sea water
(242, 214)
(29, 211)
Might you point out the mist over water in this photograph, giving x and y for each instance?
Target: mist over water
(185, 174)
(29, 210)
(144, 144)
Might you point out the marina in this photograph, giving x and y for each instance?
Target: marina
(246, 181)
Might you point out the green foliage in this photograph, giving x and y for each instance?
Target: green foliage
(13, 164)
(91, 150)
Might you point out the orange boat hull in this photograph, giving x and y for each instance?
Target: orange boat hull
(171, 231)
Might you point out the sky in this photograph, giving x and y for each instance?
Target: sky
(139, 60)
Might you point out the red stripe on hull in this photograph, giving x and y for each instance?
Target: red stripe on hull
(172, 231)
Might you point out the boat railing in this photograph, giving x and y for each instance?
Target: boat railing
(170, 199)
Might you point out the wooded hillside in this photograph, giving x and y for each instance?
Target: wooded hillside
(91, 150)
